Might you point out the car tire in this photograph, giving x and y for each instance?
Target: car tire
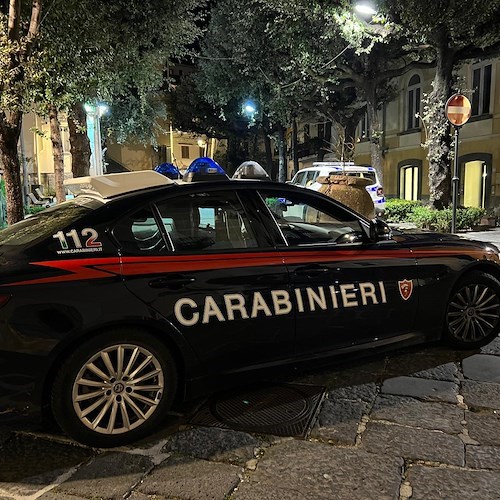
(473, 311)
(115, 388)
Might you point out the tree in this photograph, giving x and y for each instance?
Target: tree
(456, 32)
(17, 49)
(86, 50)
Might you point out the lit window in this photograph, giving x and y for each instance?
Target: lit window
(413, 102)
(481, 83)
(409, 181)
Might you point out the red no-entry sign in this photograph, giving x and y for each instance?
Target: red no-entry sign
(458, 110)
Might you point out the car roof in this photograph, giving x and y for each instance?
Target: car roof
(111, 185)
(149, 183)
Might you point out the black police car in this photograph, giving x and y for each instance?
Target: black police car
(142, 289)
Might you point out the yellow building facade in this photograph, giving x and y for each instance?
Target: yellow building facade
(405, 164)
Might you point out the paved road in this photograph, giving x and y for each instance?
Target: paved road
(419, 423)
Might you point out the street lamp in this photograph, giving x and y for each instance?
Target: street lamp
(202, 143)
(249, 109)
(365, 9)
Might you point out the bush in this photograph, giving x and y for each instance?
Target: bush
(424, 217)
(469, 217)
(397, 210)
(33, 209)
(440, 220)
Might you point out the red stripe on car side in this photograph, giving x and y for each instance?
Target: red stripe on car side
(80, 269)
(100, 268)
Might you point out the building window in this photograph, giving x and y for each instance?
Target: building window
(481, 84)
(184, 152)
(413, 102)
(409, 182)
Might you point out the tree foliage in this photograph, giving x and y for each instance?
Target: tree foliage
(88, 50)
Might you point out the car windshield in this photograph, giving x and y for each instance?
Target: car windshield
(47, 222)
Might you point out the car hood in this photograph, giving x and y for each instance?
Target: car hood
(427, 238)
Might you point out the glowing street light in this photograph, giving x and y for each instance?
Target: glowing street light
(365, 9)
(249, 108)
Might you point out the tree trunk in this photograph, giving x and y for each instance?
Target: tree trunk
(9, 137)
(295, 156)
(233, 145)
(10, 127)
(282, 170)
(80, 144)
(267, 146)
(375, 130)
(439, 138)
(326, 142)
(57, 153)
(349, 138)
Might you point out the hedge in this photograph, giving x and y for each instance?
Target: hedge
(428, 218)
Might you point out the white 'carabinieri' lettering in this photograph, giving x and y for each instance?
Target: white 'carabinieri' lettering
(237, 307)
(281, 302)
(195, 316)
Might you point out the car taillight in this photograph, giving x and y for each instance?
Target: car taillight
(380, 191)
(4, 299)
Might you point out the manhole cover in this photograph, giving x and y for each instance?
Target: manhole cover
(282, 410)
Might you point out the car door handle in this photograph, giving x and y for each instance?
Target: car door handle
(173, 282)
(311, 271)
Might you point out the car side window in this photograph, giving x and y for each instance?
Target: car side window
(139, 233)
(207, 221)
(299, 178)
(303, 222)
(310, 178)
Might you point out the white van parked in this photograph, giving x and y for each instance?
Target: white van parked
(306, 177)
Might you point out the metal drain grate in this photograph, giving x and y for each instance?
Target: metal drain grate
(281, 410)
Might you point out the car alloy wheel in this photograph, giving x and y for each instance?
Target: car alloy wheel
(473, 314)
(115, 388)
(118, 389)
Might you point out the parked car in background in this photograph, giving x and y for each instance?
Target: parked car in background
(306, 177)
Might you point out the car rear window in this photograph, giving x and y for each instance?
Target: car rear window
(46, 223)
(364, 175)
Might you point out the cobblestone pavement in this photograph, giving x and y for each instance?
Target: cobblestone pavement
(416, 424)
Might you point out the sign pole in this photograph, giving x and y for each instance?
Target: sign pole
(458, 111)
(455, 183)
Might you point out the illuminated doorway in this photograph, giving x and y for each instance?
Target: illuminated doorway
(476, 181)
(410, 179)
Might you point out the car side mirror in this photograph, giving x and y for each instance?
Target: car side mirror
(379, 230)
